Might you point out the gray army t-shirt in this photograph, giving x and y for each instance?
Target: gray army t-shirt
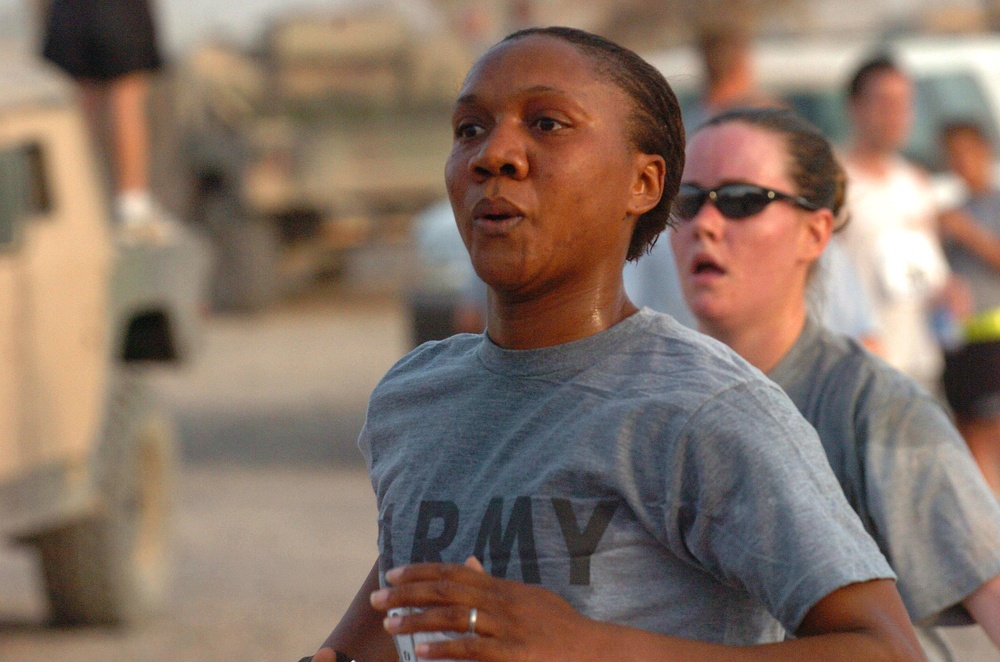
(647, 474)
(903, 467)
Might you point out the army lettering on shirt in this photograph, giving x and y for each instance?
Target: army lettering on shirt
(581, 526)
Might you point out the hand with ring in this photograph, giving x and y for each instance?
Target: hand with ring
(511, 620)
(473, 617)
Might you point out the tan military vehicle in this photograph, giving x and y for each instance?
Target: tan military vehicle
(85, 456)
(325, 137)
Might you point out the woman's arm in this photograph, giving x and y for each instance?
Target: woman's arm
(984, 605)
(515, 622)
(360, 634)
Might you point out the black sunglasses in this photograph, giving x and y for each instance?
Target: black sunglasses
(734, 201)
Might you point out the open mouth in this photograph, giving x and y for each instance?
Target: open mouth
(496, 215)
(704, 265)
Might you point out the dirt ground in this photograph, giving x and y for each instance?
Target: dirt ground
(274, 522)
(274, 525)
(265, 561)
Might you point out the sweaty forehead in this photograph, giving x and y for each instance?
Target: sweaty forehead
(736, 152)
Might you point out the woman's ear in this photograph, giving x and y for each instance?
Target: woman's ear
(647, 188)
(819, 229)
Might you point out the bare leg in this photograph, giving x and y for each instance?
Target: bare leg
(983, 438)
(127, 96)
(93, 98)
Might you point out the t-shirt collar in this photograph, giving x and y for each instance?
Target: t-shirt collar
(802, 354)
(567, 358)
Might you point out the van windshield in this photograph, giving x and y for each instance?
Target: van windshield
(940, 98)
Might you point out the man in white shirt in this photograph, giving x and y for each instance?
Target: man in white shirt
(892, 234)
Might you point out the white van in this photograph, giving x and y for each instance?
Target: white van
(957, 77)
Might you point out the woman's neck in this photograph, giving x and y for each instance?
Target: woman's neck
(556, 318)
(766, 340)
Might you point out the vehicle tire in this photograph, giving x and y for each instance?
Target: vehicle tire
(112, 567)
(246, 254)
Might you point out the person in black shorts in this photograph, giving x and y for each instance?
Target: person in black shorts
(109, 47)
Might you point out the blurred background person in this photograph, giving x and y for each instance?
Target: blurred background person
(892, 234)
(109, 47)
(461, 308)
(840, 300)
(726, 53)
(971, 236)
(746, 257)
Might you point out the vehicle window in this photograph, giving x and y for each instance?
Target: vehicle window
(23, 189)
(11, 197)
(941, 99)
(39, 201)
(690, 107)
(824, 108)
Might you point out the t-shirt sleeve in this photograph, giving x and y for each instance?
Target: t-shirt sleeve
(762, 508)
(938, 520)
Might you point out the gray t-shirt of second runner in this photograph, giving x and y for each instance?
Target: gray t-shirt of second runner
(904, 468)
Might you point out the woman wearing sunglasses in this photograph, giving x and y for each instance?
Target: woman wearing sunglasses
(759, 199)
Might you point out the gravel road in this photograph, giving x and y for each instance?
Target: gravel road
(274, 523)
(274, 518)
